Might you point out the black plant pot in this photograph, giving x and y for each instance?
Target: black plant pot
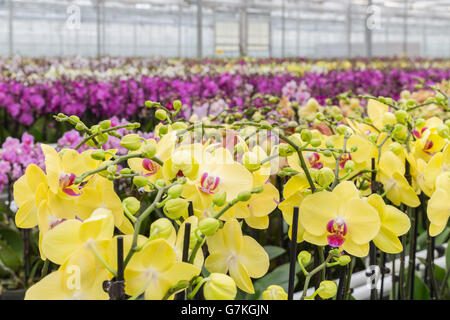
(18, 294)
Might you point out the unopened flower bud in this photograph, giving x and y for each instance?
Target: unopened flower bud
(98, 155)
(150, 104)
(131, 204)
(344, 260)
(176, 208)
(396, 148)
(209, 226)
(285, 150)
(175, 191)
(179, 126)
(161, 114)
(161, 229)
(354, 149)
(315, 143)
(306, 135)
(327, 289)
(79, 127)
(219, 286)
(258, 189)
(112, 169)
(244, 196)
(74, 118)
(401, 115)
(220, 198)
(304, 257)
(250, 161)
(325, 177)
(400, 132)
(389, 119)
(420, 123)
(160, 183)
(163, 130)
(274, 292)
(177, 105)
(341, 129)
(149, 150)
(329, 144)
(140, 181)
(349, 166)
(443, 131)
(131, 142)
(105, 124)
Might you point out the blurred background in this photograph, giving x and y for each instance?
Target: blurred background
(225, 28)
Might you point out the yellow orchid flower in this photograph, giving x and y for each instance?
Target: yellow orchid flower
(375, 111)
(394, 223)
(60, 242)
(81, 277)
(293, 197)
(428, 140)
(241, 256)
(154, 270)
(340, 218)
(438, 209)
(217, 172)
(391, 175)
(100, 194)
(25, 189)
(439, 163)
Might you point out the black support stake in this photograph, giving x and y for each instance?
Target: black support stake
(293, 254)
(185, 257)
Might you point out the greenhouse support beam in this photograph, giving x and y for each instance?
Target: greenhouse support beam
(405, 29)
(10, 28)
(283, 30)
(199, 29)
(368, 32)
(243, 32)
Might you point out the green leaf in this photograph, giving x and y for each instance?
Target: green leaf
(13, 239)
(279, 276)
(442, 237)
(421, 290)
(9, 257)
(274, 251)
(447, 255)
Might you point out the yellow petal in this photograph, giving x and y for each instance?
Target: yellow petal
(254, 258)
(317, 210)
(100, 226)
(362, 220)
(387, 241)
(49, 288)
(357, 250)
(217, 262)
(241, 277)
(232, 236)
(61, 241)
(26, 216)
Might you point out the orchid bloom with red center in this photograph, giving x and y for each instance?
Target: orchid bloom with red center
(340, 219)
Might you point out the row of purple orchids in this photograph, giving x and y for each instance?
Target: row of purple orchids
(93, 99)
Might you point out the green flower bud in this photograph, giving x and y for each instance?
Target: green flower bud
(161, 114)
(179, 126)
(160, 183)
(112, 169)
(329, 144)
(344, 260)
(149, 150)
(105, 124)
(258, 189)
(140, 181)
(131, 204)
(274, 292)
(296, 139)
(327, 153)
(98, 155)
(125, 171)
(285, 150)
(325, 177)
(219, 287)
(315, 143)
(209, 226)
(244, 196)
(161, 229)
(220, 198)
(304, 257)
(349, 166)
(150, 104)
(131, 142)
(176, 208)
(373, 137)
(163, 130)
(447, 123)
(342, 129)
(177, 105)
(250, 161)
(420, 123)
(396, 148)
(306, 135)
(443, 131)
(79, 127)
(175, 191)
(327, 289)
(320, 116)
(74, 118)
(401, 116)
(105, 173)
(400, 132)
(405, 94)
(354, 149)
(389, 119)
(335, 252)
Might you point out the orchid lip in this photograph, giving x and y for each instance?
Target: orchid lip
(209, 183)
(150, 166)
(337, 229)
